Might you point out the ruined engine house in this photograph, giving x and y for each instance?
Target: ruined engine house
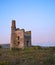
(19, 37)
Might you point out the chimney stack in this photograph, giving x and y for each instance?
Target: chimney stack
(13, 24)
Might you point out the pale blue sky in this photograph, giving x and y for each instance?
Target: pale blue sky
(35, 15)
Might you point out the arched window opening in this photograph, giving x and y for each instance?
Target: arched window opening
(18, 43)
(18, 37)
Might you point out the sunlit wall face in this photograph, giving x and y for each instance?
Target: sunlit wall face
(35, 15)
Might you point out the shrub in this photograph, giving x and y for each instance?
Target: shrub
(0, 46)
(4, 63)
(50, 60)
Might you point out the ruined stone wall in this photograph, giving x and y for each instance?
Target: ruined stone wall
(19, 38)
(27, 39)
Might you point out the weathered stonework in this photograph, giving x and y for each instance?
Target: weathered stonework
(19, 38)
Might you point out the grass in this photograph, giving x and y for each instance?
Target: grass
(29, 56)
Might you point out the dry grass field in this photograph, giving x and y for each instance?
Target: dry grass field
(35, 55)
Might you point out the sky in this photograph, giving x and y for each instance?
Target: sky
(35, 15)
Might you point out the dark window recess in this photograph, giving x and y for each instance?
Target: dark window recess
(18, 37)
(27, 43)
(18, 43)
